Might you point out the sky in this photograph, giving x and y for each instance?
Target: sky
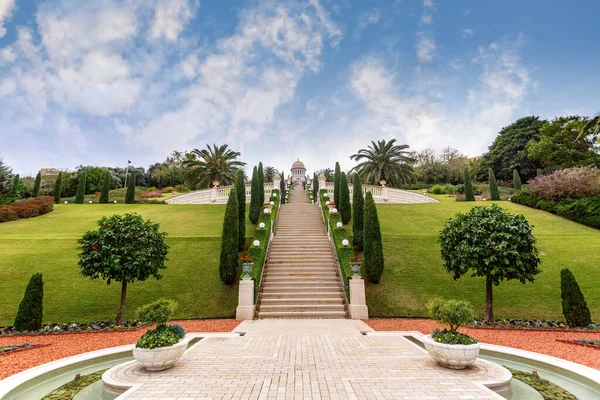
(106, 81)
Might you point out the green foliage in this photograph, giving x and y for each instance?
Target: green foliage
(491, 243)
(358, 207)
(494, 192)
(105, 188)
(240, 187)
(510, 151)
(373, 246)
(29, 316)
(162, 336)
(452, 312)
(177, 330)
(203, 168)
(384, 160)
(157, 312)
(344, 205)
(80, 188)
(261, 186)
(124, 248)
(469, 195)
(182, 188)
(516, 180)
(259, 253)
(450, 337)
(574, 307)
(57, 188)
(525, 197)
(558, 147)
(14, 190)
(336, 184)
(27, 209)
(230, 240)
(130, 194)
(36, 185)
(254, 212)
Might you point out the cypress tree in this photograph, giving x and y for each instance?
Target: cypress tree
(516, 180)
(469, 196)
(358, 211)
(373, 245)
(282, 188)
(80, 197)
(14, 190)
(336, 184)
(254, 213)
(130, 194)
(574, 306)
(228, 261)
(29, 316)
(261, 186)
(36, 185)
(494, 192)
(344, 206)
(105, 188)
(315, 188)
(240, 187)
(57, 188)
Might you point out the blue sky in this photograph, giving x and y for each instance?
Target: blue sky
(106, 81)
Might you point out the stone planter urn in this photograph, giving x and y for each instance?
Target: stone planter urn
(246, 269)
(159, 358)
(454, 356)
(355, 268)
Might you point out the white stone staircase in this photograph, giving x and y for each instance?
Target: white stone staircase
(301, 277)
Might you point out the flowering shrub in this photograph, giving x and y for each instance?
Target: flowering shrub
(354, 259)
(151, 194)
(526, 323)
(246, 259)
(76, 327)
(27, 208)
(573, 183)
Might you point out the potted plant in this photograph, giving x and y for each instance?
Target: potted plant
(247, 266)
(355, 266)
(448, 347)
(159, 348)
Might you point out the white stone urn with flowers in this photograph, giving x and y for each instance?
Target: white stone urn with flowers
(448, 347)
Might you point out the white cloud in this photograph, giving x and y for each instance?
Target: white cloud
(6, 10)
(367, 18)
(425, 47)
(426, 19)
(170, 16)
(467, 33)
(428, 9)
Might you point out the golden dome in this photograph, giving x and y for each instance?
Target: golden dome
(298, 164)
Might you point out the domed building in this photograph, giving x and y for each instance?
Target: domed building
(298, 176)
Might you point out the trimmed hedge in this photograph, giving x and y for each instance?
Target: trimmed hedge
(80, 197)
(57, 188)
(344, 205)
(469, 194)
(130, 194)
(240, 186)
(105, 189)
(36, 185)
(358, 210)
(229, 240)
(585, 211)
(373, 245)
(27, 209)
(31, 310)
(574, 306)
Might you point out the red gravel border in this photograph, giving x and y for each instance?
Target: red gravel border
(66, 345)
(545, 342)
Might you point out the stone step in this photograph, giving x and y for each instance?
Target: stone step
(300, 307)
(293, 280)
(295, 268)
(267, 301)
(302, 283)
(303, 295)
(301, 289)
(302, 314)
(325, 272)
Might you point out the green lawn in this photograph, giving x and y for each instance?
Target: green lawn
(414, 272)
(48, 244)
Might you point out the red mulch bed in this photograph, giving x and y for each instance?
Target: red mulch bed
(67, 345)
(544, 342)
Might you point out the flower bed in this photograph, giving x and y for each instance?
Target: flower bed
(27, 208)
(534, 325)
(104, 326)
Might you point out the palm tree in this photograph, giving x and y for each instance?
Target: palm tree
(387, 161)
(269, 174)
(216, 165)
(328, 173)
(592, 127)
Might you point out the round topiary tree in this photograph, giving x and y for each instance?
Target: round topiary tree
(491, 243)
(494, 191)
(574, 306)
(124, 248)
(31, 310)
(373, 246)
(345, 210)
(469, 194)
(358, 211)
(240, 187)
(228, 261)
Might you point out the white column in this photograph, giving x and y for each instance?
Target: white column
(245, 309)
(322, 181)
(358, 302)
(213, 195)
(276, 181)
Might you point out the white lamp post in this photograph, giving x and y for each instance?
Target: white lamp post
(256, 243)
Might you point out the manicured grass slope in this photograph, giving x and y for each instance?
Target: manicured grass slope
(414, 273)
(48, 244)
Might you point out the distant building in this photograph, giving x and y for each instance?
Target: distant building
(49, 172)
(298, 170)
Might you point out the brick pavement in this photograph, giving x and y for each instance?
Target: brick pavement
(308, 359)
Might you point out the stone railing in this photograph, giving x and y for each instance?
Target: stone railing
(217, 195)
(386, 194)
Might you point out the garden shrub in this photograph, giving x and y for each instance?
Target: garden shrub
(254, 212)
(177, 330)
(240, 186)
(525, 197)
(336, 183)
(574, 306)
(454, 313)
(345, 210)
(29, 316)
(130, 194)
(436, 189)
(105, 189)
(358, 210)
(36, 185)
(27, 208)
(14, 190)
(80, 197)
(417, 186)
(469, 194)
(261, 186)
(181, 189)
(448, 189)
(494, 191)
(228, 261)
(572, 183)
(516, 180)
(57, 188)
(168, 189)
(546, 205)
(162, 336)
(373, 246)
(158, 312)
(7, 214)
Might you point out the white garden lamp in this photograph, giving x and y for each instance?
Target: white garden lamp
(261, 225)
(90, 202)
(272, 203)
(327, 203)
(345, 242)
(339, 224)
(66, 202)
(266, 211)
(115, 202)
(256, 243)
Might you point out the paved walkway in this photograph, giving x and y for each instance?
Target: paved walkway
(308, 359)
